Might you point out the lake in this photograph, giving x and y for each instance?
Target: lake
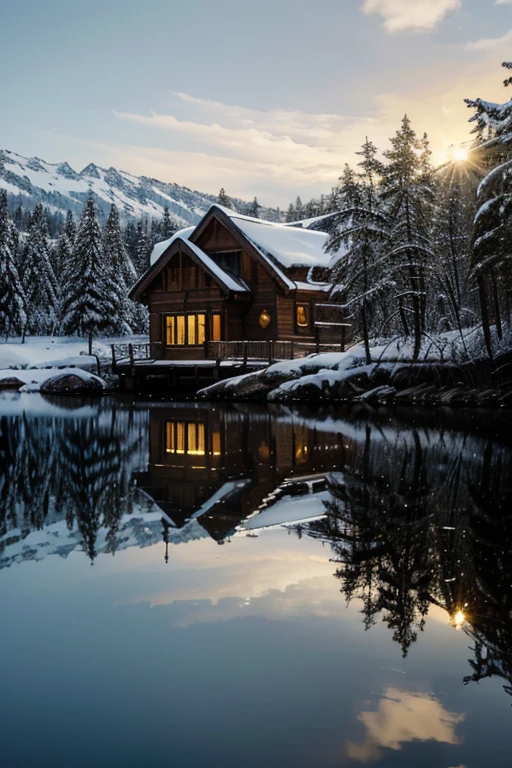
(199, 585)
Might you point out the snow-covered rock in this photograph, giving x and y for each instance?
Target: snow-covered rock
(76, 383)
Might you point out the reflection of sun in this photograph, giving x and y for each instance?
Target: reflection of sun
(459, 619)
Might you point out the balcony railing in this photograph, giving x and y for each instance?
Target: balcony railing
(241, 351)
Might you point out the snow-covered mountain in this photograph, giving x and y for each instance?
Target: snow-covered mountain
(31, 180)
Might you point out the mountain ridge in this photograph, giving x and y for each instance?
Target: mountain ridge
(29, 181)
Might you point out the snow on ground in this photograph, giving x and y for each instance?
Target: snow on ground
(42, 357)
(57, 351)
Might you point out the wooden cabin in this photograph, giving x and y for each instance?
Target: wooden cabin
(234, 278)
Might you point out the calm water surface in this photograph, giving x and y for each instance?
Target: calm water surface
(192, 585)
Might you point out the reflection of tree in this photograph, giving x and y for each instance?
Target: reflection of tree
(490, 530)
(71, 468)
(424, 517)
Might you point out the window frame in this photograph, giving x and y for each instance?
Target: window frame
(177, 326)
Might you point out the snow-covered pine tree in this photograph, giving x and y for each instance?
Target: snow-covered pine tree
(12, 297)
(492, 249)
(299, 209)
(38, 278)
(120, 266)
(358, 240)
(70, 227)
(253, 209)
(290, 213)
(451, 300)
(168, 227)
(90, 295)
(408, 193)
(141, 250)
(343, 196)
(223, 199)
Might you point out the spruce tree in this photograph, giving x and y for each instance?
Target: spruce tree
(168, 226)
(12, 298)
(407, 190)
(223, 199)
(290, 213)
(91, 297)
(361, 233)
(119, 264)
(492, 252)
(38, 278)
(254, 209)
(141, 249)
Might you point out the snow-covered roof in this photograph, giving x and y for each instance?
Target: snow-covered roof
(160, 248)
(289, 246)
(279, 245)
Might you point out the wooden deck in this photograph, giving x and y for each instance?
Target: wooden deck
(141, 369)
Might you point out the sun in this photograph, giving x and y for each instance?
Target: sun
(460, 155)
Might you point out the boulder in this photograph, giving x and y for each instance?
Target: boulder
(11, 382)
(70, 383)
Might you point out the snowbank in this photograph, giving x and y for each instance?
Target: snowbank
(58, 350)
(35, 378)
(437, 378)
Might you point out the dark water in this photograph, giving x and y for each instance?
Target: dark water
(194, 585)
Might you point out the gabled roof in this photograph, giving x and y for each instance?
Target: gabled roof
(278, 247)
(162, 254)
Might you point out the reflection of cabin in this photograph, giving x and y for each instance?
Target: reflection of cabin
(219, 466)
(233, 278)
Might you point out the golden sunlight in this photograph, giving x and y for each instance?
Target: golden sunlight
(460, 155)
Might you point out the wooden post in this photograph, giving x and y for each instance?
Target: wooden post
(343, 339)
(132, 362)
(292, 351)
(245, 353)
(270, 351)
(113, 348)
(317, 347)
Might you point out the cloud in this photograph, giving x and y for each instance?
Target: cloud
(411, 14)
(403, 717)
(491, 43)
(207, 144)
(277, 154)
(503, 2)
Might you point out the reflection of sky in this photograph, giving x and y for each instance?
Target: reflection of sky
(242, 654)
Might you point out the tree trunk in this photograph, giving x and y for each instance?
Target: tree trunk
(403, 317)
(90, 342)
(496, 301)
(484, 311)
(364, 320)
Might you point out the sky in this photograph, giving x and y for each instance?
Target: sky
(267, 98)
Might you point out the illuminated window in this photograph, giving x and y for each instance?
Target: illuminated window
(180, 329)
(170, 445)
(170, 332)
(216, 444)
(191, 332)
(216, 328)
(201, 323)
(185, 330)
(300, 445)
(185, 438)
(180, 437)
(302, 315)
